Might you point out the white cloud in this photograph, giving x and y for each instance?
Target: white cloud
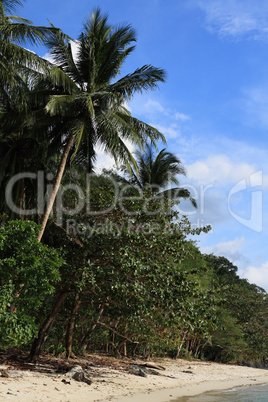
(154, 106)
(223, 248)
(48, 57)
(146, 107)
(219, 169)
(182, 116)
(257, 275)
(171, 131)
(211, 209)
(167, 121)
(153, 110)
(226, 190)
(236, 17)
(255, 105)
(232, 250)
(105, 161)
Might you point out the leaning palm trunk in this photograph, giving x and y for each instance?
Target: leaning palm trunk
(56, 185)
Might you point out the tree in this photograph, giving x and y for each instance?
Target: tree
(90, 103)
(129, 270)
(28, 274)
(225, 271)
(157, 172)
(14, 31)
(22, 144)
(244, 311)
(16, 62)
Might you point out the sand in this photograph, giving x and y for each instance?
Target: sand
(112, 381)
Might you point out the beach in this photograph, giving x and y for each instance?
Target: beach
(119, 380)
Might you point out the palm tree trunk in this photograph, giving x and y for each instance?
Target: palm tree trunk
(56, 185)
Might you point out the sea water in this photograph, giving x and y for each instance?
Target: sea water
(258, 393)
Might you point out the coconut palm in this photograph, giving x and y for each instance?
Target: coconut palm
(157, 172)
(14, 32)
(25, 144)
(18, 67)
(89, 101)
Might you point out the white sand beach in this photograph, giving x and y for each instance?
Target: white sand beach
(111, 381)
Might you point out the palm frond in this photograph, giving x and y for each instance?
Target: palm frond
(146, 131)
(79, 134)
(60, 79)
(177, 193)
(10, 5)
(60, 104)
(20, 30)
(102, 50)
(60, 49)
(108, 136)
(143, 79)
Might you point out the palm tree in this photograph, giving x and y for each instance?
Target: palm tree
(15, 31)
(20, 148)
(157, 172)
(25, 145)
(88, 99)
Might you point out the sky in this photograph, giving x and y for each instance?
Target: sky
(212, 109)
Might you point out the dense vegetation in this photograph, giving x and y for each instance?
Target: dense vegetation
(115, 271)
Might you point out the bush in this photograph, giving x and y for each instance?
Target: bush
(28, 273)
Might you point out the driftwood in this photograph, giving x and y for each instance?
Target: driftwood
(78, 374)
(153, 365)
(141, 364)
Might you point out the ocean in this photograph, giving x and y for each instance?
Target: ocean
(258, 393)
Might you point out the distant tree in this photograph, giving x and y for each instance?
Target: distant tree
(246, 312)
(225, 271)
(157, 171)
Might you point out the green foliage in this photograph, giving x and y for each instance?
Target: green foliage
(28, 273)
(14, 31)
(243, 319)
(131, 265)
(16, 328)
(228, 341)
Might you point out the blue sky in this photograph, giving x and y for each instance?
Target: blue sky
(213, 108)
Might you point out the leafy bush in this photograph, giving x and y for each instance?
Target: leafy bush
(28, 273)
